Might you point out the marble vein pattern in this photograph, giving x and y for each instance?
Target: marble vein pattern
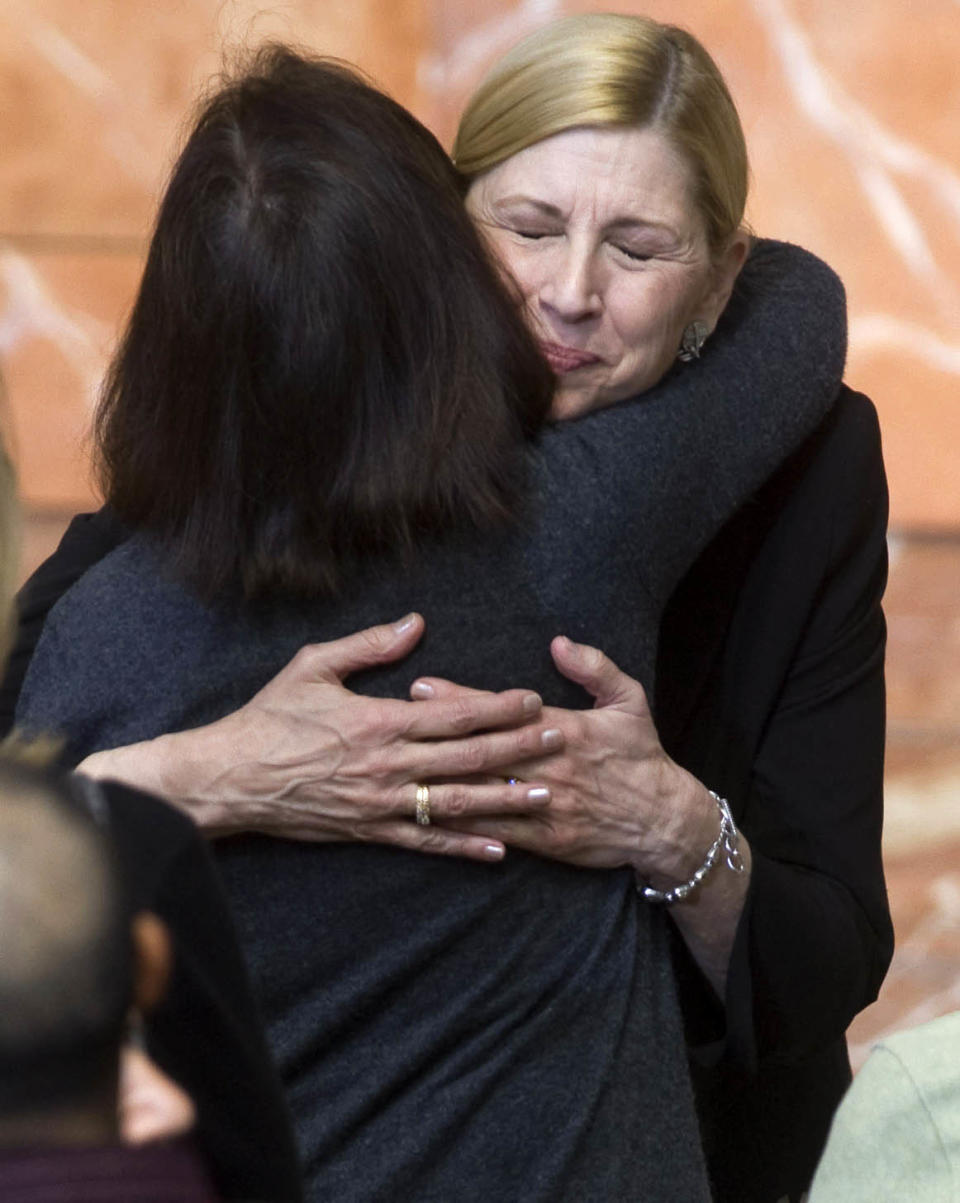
(876, 153)
(466, 50)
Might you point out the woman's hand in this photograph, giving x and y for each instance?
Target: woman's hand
(308, 759)
(617, 799)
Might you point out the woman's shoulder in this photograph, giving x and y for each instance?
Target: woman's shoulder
(100, 647)
(928, 1053)
(839, 468)
(853, 419)
(115, 595)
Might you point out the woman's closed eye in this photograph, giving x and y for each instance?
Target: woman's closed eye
(634, 255)
(532, 235)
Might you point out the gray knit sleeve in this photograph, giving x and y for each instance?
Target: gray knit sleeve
(679, 459)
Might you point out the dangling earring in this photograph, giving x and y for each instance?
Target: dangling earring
(692, 342)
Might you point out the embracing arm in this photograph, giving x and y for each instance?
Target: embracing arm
(308, 759)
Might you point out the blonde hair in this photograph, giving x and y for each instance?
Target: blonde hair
(606, 70)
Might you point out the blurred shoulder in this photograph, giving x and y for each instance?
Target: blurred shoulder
(896, 1134)
(930, 1052)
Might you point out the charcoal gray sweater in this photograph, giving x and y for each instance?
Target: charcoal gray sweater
(453, 1030)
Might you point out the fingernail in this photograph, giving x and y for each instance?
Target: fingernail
(532, 703)
(420, 689)
(404, 624)
(493, 852)
(551, 739)
(539, 793)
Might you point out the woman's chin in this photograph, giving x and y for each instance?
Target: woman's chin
(574, 403)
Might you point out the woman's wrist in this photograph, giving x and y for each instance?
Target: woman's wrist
(725, 847)
(167, 767)
(691, 825)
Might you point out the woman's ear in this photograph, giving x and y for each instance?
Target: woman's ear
(725, 271)
(152, 960)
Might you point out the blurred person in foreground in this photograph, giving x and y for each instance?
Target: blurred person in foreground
(896, 1135)
(352, 420)
(74, 965)
(196, 1062)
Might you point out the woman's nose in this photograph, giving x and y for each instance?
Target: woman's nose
(571, 290)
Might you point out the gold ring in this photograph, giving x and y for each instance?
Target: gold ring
(423, 805)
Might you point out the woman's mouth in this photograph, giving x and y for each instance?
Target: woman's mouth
(567, 359)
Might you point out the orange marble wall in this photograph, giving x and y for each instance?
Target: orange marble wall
(92, 99)
(851, 114)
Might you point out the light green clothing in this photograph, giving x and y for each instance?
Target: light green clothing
(896, 1135)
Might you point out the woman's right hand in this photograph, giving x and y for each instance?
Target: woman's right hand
(308, 759)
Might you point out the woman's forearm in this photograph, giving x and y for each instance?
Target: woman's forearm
(709, 917)
(672, 845)
(187, 769)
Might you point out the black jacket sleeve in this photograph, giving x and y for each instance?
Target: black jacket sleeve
(772, 693)
(88, 538)
(789, 723)
(816, 938)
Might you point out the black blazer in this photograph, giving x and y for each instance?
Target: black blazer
(771, 692)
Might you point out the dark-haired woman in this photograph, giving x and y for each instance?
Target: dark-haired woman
(347, 421)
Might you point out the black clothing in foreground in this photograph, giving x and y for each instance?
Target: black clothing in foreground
(206, 1034)
(159, 1172)
(771, 691)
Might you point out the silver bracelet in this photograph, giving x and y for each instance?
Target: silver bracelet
(727, 840)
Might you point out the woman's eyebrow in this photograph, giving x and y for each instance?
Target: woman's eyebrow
(626, 225)
(543, 207)
(619, 225)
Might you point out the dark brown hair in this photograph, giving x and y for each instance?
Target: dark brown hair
(321, 363)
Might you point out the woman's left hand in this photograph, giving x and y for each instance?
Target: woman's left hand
(616, 796)
(617, 799)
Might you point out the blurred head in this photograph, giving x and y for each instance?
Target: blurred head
(321, 364)
(72, 963)
(607, 166)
